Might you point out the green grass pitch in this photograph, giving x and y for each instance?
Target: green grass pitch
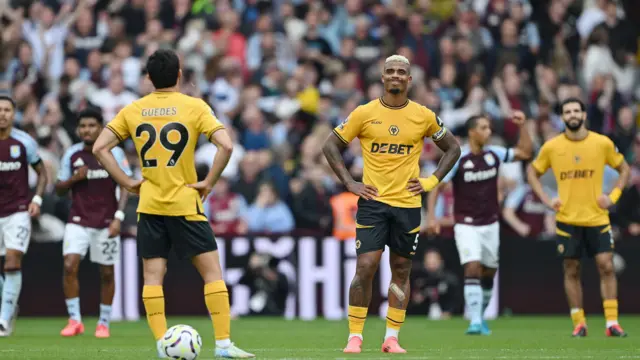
(270, 338)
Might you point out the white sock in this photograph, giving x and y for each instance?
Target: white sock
(610, 323)
(10, 294)
(73, 308)
(473, 299)
(356, 335)
(486, 297)
(105, 315)
(223, 343)
(574, 310)
(391, 333)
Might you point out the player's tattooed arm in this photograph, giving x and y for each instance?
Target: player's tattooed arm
(451, 148)
(43, 179)
(625, 172)
(433, 225)
(332, 150)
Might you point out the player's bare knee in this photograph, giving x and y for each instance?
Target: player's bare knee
(13, 261)
(605, 268)
(571, 269)
(208, 265)
(366, 267)
(473, 270)
(107, 274)
(401, 272)
(154, 271)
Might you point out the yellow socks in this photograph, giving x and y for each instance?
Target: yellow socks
(357, 317)
(610, 311)
(153, 299)
(577, 316)
(216, 297)
(395, 319)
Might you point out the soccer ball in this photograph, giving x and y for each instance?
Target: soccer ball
(181, 342)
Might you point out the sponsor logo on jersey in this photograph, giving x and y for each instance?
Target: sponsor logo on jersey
(385, 148)
(577, 174)
(97, 174)
(14, 151)
(474, 176)
(170, 111)
(79, 162)
(468, 165)
(10, 165)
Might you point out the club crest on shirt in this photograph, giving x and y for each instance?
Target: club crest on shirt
(489, 159)
(14, 151)
(576, 158)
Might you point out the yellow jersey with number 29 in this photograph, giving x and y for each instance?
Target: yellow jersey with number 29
(578, 167)
(391, 139)
(165, 127)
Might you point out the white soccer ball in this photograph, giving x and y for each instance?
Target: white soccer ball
(181, 342)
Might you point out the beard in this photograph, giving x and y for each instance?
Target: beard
(88, 142)
(394, 91)
(572, 126)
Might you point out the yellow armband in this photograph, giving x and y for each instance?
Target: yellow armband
(429, 183)
(614, 196)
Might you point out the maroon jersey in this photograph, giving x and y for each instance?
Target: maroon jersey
(224, 211)
(475, 185)
(94, 199)
(16, 154)
(528, 208)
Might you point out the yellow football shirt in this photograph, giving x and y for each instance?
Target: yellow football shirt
(391, 139)
(165, 127)
(578, 167)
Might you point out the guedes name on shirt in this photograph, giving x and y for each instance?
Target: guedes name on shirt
(170, 111)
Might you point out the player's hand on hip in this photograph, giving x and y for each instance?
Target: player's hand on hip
(518, 118)
(556, 204)
(134, 186)
(34, 209)
(114, 228)
(418, 186)
(604, 202)
(433, 226)
(203, 187)
(366, 192)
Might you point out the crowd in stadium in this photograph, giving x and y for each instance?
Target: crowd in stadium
(281, 74)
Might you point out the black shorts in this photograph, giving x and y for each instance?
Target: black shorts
(576, 241)
(157, 234)
(379, 224)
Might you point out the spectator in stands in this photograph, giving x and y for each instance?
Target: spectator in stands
(269, 287)
(434, 290)
(268, 214)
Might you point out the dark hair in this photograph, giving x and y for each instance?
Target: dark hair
(163, 67)
(90, 113)
(9, 99)
(572, 100)
(472, 122)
